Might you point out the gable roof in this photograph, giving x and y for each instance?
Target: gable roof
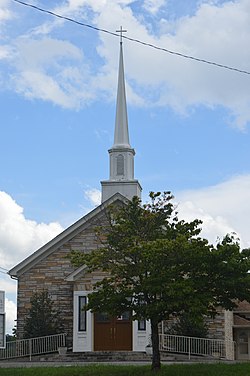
(63, 237)
(241, 321)
(243, 306)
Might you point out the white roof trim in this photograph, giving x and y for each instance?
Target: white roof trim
(74, 276)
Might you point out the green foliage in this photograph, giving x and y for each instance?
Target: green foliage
(157, 266)
(188, 325)
(42, 319)
(10, 338)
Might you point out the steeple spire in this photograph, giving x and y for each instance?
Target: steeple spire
(121, 121)
(121, 138)
(121, 155)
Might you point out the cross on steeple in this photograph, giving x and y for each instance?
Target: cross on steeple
(121, 31)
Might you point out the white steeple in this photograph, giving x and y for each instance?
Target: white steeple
(121, 138)
(121, 155)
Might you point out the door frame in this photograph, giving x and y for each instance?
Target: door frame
(242, 344)
(84, 340)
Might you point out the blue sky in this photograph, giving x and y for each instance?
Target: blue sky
(188, 121)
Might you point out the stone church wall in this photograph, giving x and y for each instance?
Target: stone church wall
(51, 273)
(216, 325)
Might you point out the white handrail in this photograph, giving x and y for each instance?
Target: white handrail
(33, 346)
(197, 346)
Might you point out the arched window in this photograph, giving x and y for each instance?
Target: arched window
(120, 164)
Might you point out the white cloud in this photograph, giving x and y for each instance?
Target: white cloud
(223, 208)
(214, 227)
(153, 6)
(5, 13)
(73, 7)
(4, 52)
(6, 284)
(94, 196)
(47, 69)
(9, 286)
(218, 32)
(20, 236)
(11, 312)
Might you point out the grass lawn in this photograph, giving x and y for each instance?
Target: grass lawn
(241, 369)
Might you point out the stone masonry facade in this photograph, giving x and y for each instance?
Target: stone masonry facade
(51, 272)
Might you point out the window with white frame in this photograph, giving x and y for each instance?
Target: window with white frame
(142, 325)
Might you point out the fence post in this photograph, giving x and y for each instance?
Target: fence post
(189, 348)
(30, 348)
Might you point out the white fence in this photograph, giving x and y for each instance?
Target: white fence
(33, 346)
(169, 343)
(197, 346)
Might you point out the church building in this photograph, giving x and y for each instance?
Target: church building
(49, 268)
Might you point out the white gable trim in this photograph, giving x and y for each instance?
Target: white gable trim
(76, 273)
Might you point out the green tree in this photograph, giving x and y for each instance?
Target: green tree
(188, 325)
(158, 266)
(10, 338)
(42, 319)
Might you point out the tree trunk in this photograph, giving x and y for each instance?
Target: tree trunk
(156, 360)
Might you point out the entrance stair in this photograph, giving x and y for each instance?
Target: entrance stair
(93, 357)
(104, 356)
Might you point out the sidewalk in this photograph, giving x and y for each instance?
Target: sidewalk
(8, 364)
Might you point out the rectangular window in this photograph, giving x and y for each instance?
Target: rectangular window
(101, 317)
(2, 330)
(125, 316)
(120, 164)
(142, 325)
(82, 314)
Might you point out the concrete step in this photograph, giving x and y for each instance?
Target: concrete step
(103, 356)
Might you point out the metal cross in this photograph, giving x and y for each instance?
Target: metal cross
(121, 31)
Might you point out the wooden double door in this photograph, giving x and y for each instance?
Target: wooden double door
(112, 333)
